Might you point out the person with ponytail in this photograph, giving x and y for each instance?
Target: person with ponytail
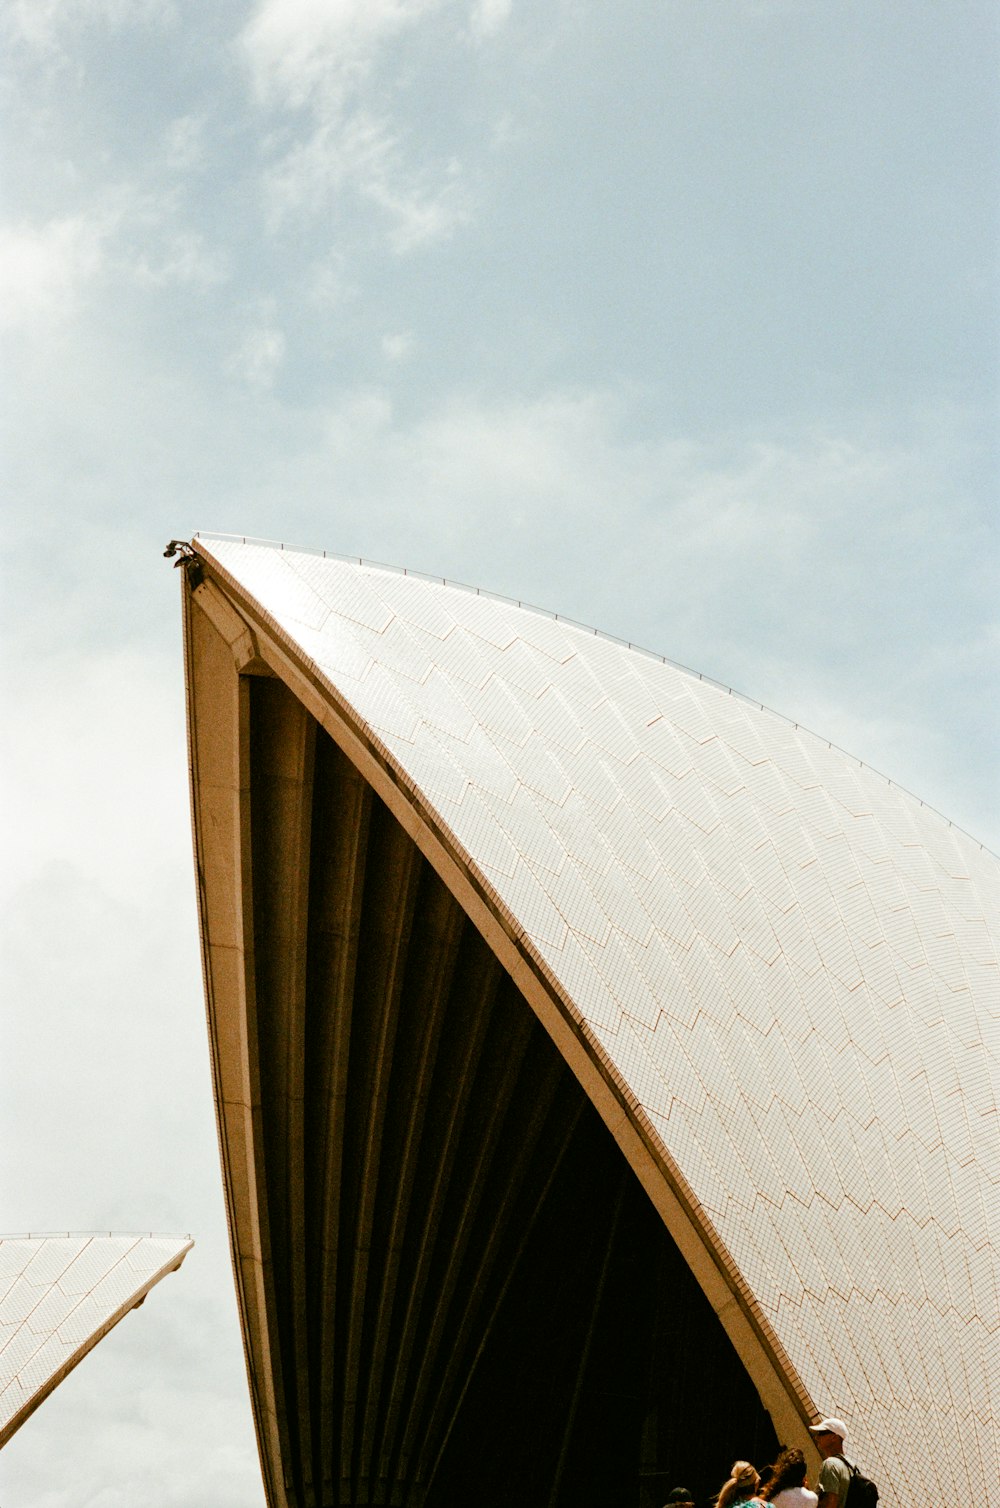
(741, 1487)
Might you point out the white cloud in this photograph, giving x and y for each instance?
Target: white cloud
(153, 245)
(489, 16)
(314, 50)
(306, 51)
(330, 284)
(259, 356)
(40, 25)
(183, 259)
(525, 475)
(318, 57)
(362, 153)
(338, 152)
(505, 132)
(45, 270)
(398, 347)
(184, 144)
(418, 213)
(114, 713)
(365, 419)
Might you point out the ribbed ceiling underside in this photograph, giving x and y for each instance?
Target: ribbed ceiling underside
(469, 1293)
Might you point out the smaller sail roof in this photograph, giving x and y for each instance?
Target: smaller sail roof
(60, 1295)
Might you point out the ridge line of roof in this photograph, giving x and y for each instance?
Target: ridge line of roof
(652, 654)
(92, 1235)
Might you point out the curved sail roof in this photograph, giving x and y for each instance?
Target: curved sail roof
(784, 966)
(60, 1295)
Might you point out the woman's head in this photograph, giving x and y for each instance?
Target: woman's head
(742, 1484)
(789, 1471)
(744, 1476)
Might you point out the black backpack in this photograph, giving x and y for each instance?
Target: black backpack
(861, 1490)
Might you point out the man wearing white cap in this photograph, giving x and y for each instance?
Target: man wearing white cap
(834, 1475)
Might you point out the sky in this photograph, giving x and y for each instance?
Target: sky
(678, 317)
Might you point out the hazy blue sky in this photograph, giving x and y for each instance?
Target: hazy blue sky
(675, 316)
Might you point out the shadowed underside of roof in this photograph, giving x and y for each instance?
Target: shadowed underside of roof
(426, 825)
(442, 1203)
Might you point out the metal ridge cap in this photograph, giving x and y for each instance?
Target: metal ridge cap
(598, 633)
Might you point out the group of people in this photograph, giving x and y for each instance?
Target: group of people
(785, 1484)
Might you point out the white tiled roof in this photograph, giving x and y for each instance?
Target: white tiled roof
(790, 962)
(58, 1296)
